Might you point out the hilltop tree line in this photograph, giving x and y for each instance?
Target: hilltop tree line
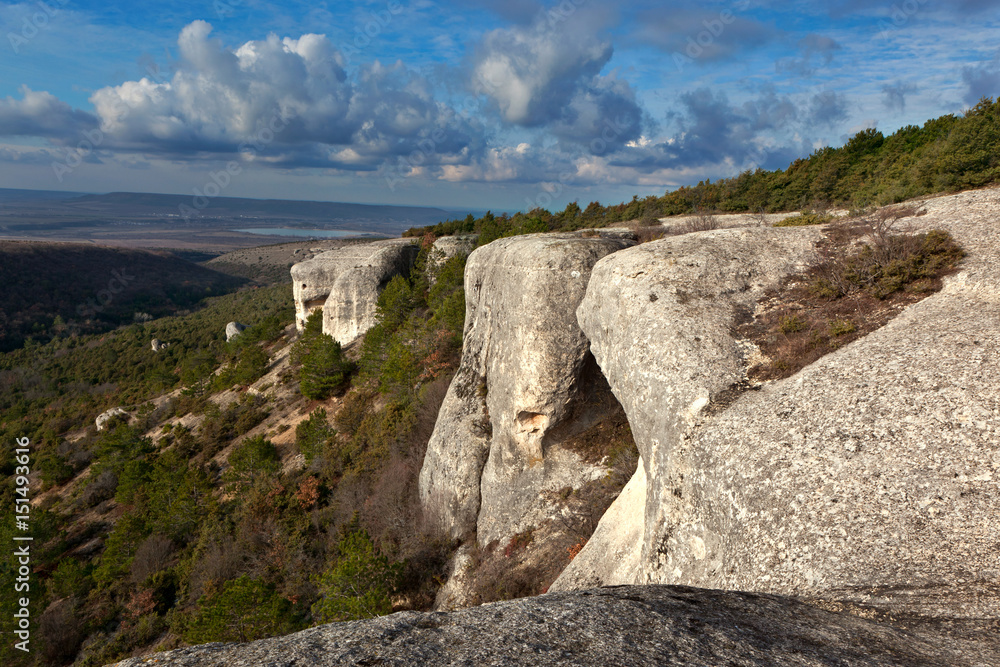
(946, 154)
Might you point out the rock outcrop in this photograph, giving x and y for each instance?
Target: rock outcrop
(447, 247)
(158, 345)
(870, 477)
(346, 283)
(107, 417)
(659, 317)
(234, 329)
(629, 625)
(523, 384)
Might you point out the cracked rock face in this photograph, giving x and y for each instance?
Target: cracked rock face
(346, 283)
(659, 318)
(871, 477)
(628, 625)
(525, 366)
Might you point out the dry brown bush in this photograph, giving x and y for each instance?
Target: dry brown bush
(431, 399)
(702, 221)
(62, 631)
(867, 274)
(222, 560)
(647, 231)
(152, 556)
(389, 511)
(500, 575)
(100, 489)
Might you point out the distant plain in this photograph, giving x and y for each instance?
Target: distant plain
(142, 220)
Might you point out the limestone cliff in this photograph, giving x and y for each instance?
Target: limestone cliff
(870, 477)
(866, 483)
(659, 317)
(525, 371)
(346, 283)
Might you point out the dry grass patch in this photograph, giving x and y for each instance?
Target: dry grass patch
(869, 272)
(806, 218)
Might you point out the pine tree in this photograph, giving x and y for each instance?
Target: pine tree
(323, 367)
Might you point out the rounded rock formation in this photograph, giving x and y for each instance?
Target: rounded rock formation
(106, 418)
(447, 247)
(346, 283)
(234, 329)
(525, 366)
(625, 625)
(868, 478)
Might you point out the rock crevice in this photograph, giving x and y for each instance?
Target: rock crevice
(520, 378)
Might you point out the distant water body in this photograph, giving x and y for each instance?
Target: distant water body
(307, 233)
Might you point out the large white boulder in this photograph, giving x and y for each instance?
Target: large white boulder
(105, 418)
(346, 283)
(871, 477)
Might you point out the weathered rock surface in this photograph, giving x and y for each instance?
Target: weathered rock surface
(629, 625)
(105, 418)
(525, 369)
(615, 557)
(447, 247)
(234, 329)
(871, 477)
(346, 283)
(659, 318)
(158, 345)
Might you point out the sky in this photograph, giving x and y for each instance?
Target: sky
(503, 104)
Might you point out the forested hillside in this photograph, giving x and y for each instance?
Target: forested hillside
(59, 289)
(179, 524)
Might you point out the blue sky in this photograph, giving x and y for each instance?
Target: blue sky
(465, 104)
